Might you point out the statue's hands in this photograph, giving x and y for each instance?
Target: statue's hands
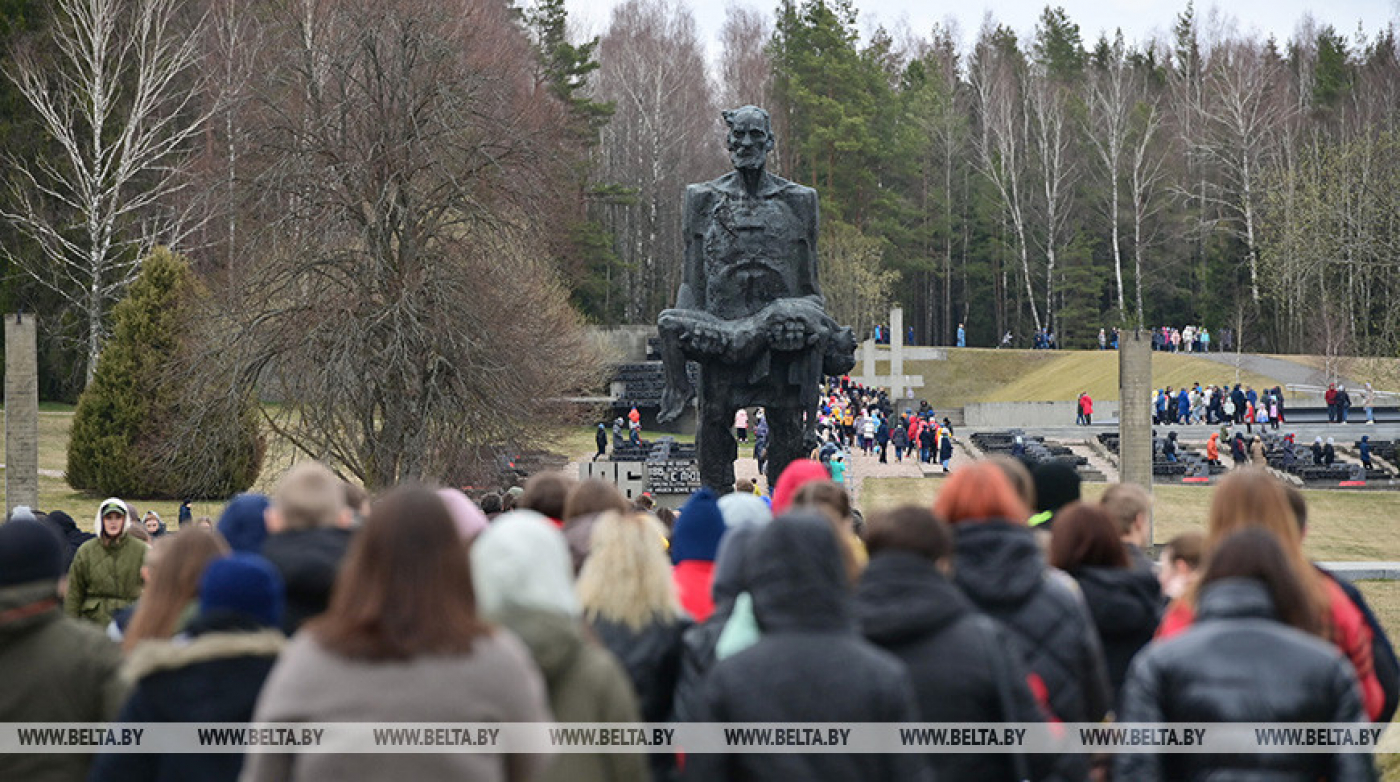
(794, 324)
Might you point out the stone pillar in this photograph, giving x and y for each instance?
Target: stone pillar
(21, 412)
(896, 352)
(868, 359)
(1135, 411)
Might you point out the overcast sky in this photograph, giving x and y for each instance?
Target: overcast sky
(1139, 19)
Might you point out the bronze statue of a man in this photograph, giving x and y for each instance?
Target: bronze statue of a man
(749, 310)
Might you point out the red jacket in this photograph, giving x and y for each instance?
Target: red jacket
(1088, 405)
(1349, 632)
(693, 579)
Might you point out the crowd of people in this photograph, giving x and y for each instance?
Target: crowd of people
(1190, 339)
(1223, 404)
(855, 416)
(1010, 599)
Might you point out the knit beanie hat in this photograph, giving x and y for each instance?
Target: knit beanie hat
(522, 561)
(738, 508)
(468, 518)
(242, 523)
(29, 551)
(22, 513)
(244, 584)
(698, 530)
(1056, 485)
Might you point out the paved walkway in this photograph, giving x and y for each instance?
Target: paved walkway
(1283, 370)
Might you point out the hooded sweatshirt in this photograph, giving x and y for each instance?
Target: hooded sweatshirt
(523, 578)
(810, 666)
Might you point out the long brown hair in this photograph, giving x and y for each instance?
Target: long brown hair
(1251, 498)
(1085, 536)
(406, 586)
(176, 564)
(1256, 553)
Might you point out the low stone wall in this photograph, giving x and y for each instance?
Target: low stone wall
(1031, 414)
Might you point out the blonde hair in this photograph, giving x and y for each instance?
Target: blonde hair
(1250, 498)
(310, 496)
(627, 576)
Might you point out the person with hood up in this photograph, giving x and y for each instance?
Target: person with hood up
(1329, 452)
(154, 526)
(212, 673)
(308, 524)
(1257, 455)
(1253, 655)
(1124, 601)
(694, 545)
(1169, 447)
(743, 518)
(960, 661)
(57, 669)
(1364, 448)
(523, 578)
(403, 641)
(1213, 449)
(601, 439)
(1316, 449)
(106, 572)
(945, 449)
(619, 439)
(1018, 447)
(67, 529)
(999, 566)
(810, 665)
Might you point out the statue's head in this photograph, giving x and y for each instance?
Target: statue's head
(750, 136)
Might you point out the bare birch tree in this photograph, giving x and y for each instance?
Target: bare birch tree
(121, 101)
(995, 72)
(1106, 125)
(662, 136)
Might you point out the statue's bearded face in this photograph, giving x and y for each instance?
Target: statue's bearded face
(749, 140)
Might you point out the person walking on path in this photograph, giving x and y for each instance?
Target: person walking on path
(962, 336)
(1368, 401)
(741, 424)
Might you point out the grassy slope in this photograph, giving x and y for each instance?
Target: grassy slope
(978, 375)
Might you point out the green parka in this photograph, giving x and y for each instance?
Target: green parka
(104, 579)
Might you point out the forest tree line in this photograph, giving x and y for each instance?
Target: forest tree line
(1209, 177)
(363, 166)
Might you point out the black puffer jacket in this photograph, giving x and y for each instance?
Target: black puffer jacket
(1001, 568)
(698, 642)
(1237, 663)
(957, 658)
(809, 666)
(308, 561)
(67, 529)
(1125, 604)
(652, 658)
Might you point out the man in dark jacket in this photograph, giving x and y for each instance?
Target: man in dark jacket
(960, 661)
(214, 675)
(809, 666)
(309, 531)
(57, 669)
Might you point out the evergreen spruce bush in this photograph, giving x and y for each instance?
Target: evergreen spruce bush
(139, 431)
